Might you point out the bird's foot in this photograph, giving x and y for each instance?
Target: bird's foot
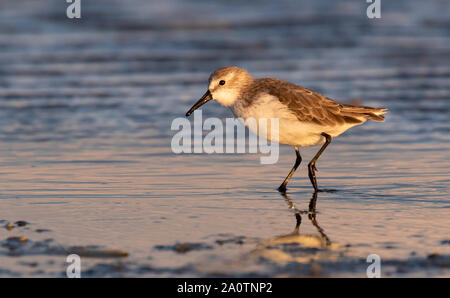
(282, 188)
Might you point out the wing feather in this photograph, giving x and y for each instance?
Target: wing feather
(308, 106)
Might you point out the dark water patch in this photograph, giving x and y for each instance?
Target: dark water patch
(42, 230)
(21, 223)
(22, 246)
(234, 240)
(183, 248)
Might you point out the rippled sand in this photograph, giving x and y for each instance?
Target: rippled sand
(85, 158)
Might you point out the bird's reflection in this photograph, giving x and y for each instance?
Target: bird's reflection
(312, 216)
(297, 247)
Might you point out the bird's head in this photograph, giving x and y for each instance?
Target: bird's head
(225, 86)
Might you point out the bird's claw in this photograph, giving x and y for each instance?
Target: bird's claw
(282, 188)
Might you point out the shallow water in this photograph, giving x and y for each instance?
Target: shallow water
(85, 113)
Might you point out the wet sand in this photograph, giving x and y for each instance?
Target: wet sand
(85, 158)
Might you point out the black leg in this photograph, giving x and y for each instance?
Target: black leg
(312, 164)
(298, 217)
(312, 204)
(312, 216)
(298, 160)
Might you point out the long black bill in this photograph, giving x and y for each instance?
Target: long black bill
(205, 98)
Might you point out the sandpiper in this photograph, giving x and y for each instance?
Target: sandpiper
(306, 118)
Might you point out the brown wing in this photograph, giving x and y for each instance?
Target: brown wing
(307, 105)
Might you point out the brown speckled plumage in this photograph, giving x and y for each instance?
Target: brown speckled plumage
(309, 106)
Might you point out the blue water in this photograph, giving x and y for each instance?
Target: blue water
(86, 107)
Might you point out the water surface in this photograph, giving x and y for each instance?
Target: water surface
(85, 113)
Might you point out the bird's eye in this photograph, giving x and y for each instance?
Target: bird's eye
(222, 82)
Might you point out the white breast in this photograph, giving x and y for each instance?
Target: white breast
(291, 130)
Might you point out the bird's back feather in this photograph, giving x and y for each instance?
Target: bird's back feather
(309, 106)
(375, 114)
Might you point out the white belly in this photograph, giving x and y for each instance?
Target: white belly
(291, 130)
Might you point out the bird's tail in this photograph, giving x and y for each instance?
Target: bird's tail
(369, 113)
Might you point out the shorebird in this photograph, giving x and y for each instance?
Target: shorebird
(306, 118)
